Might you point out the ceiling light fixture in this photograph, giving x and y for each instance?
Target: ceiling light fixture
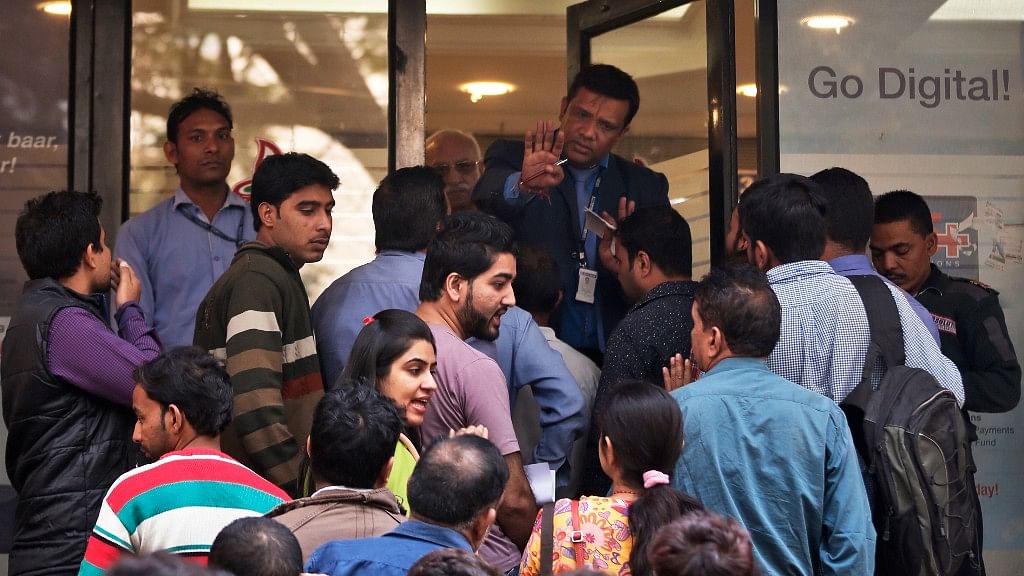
(750, 90)
(828, 22)
(56, 7)
(478, 90)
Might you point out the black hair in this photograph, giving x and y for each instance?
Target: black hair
(158, 564)
(355, 429)
(456, 480)
(787, 213)
(199, 99)
(702, 543)
(663, 234)
(645, 427)
(452, 562)
(256, 546)
(381, 342)
(279, 176)
(538, 281)
(195, 382)
(741, 303)
(407, 207)
(607, 80)
(54, 230)
(850, 207)
(468, 244)
(904, 205)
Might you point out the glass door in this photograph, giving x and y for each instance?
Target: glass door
(683, 59)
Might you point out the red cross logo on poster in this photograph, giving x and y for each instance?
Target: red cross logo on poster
(951, 240)
(266, 148)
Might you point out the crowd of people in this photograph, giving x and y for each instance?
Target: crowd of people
(509, 387)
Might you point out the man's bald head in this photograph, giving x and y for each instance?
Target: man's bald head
(456, 157)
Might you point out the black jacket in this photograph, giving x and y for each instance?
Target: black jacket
(65, 447)
(972, 331)
(556, 227)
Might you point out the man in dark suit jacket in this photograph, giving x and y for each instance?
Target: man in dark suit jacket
(545, 202)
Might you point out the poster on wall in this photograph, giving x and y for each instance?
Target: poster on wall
(927, 96)
(33, 125)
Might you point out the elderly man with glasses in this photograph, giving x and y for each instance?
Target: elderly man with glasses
(455, 156)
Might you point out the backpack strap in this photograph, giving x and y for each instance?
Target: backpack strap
(886, 334)
(547, 538)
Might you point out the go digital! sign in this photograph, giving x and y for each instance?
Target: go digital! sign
(929, 90)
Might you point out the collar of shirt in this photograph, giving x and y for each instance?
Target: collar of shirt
(795, 271)
(548, 332)
(194, 452)
(603, 163)
(936, 281)
(737, 363)
(181, 198)
(421, 256)
(852, 264)
(444, 537)
(280, 255)
(327, 489)
(671, 288)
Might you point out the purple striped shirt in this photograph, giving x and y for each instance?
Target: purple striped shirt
(85, 352)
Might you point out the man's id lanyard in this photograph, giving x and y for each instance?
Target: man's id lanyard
(238, 239)
(586, 285)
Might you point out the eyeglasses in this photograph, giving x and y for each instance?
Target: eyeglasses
(464, 167)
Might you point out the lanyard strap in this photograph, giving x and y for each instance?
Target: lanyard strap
(238, 239)
(582, 240)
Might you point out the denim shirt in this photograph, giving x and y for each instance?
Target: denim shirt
(779, 459)
(391, 554)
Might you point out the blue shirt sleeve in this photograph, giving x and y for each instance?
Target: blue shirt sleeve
(511, 190)
(537, 365)
(135, 252)
(848, 536)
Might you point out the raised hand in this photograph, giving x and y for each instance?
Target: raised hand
(542, 149)
(678, 373)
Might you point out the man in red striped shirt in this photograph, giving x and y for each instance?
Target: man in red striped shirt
(182, 400)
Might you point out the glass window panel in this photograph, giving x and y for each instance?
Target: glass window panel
(667, 55)
(33, 125)
(33, 154)
(310, 81)
(925, 95)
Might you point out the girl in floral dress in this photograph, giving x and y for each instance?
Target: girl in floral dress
(641, 438)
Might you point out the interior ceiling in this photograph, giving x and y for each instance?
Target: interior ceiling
(667, 56)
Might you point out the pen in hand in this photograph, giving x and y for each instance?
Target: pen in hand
(537, 174)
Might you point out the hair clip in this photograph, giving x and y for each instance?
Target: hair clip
(368, 320)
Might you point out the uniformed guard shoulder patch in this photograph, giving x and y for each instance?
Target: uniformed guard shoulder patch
(944, 324)
(981, 285)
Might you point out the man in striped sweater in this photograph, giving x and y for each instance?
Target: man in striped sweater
(256, 317)
(182, 401)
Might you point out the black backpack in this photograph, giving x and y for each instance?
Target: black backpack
(913, 446)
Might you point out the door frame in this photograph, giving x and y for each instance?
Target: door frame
(588, 19)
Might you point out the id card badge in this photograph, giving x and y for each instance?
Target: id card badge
(587, 286)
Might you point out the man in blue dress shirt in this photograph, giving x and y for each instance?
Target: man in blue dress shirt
(825, 333)
(773, 455)
(453, 497)
(182, 245)
(408, 207)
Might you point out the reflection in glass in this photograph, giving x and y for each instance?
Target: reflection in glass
(313, 83)
(668, 59)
